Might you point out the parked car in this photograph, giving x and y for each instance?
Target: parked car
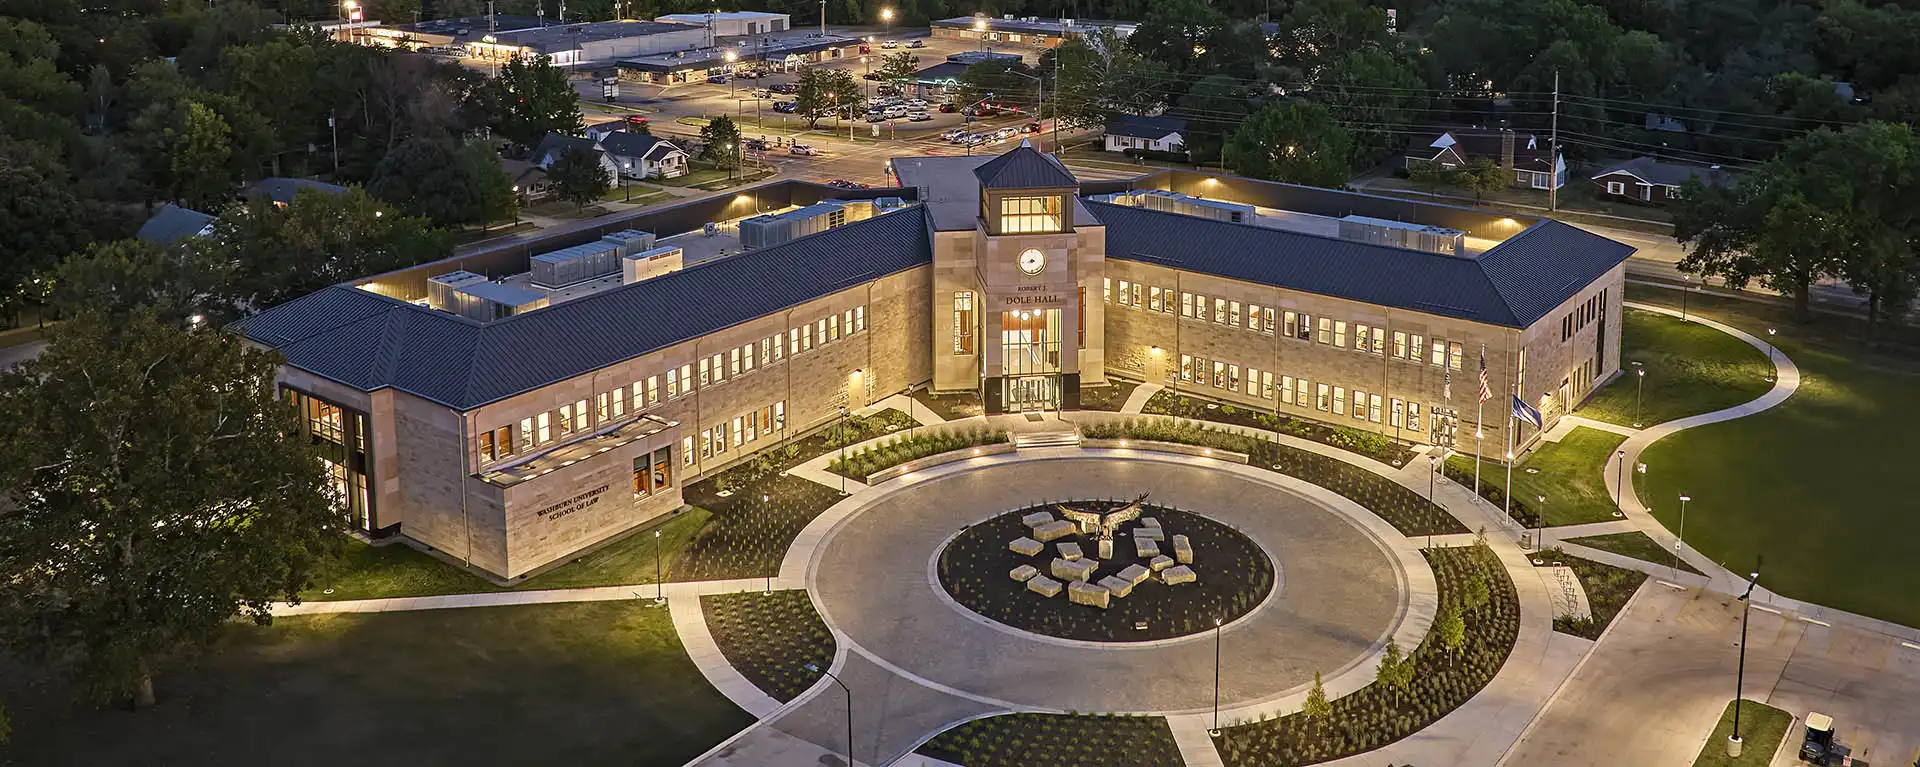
(717, 79)
(870, 76)
(876, 117)
(751, 74)
(917, 103)
(895, 111)
(784, 88)
(917, 44)
(1005, 133)
(918, 116)
(756, 144)
(785, 107)
(953, 135)
(890, 44)
(804, 150)
(975, 139)
(762, 93)
(887, 90)
(841, 183)
(949, 108)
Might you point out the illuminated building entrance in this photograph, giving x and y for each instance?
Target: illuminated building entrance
(1030, 349)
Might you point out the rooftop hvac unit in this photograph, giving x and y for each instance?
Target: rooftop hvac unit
(576, 264)
(442, 287)
(1175, 202)
(710, 229)
(489, 301)
(630, 241)
(1401, 234)
(768, 231)
(651, 263)
(888, 204)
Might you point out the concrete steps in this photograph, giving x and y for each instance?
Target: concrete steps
(1046, 439)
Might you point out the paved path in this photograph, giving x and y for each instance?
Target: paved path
(1137, 399)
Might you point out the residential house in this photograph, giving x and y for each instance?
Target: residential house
(1148, 134)
(556, 144)
(1527, 156)
(282, 190)
(1650, 181)
(530, 182)
(641, 155)
(173, 223)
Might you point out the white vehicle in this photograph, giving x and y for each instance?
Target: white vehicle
(918, 116)
(806, 150)
(895, 111)
(890, 44)
(917, 103)
(1005, 133)
(954, 135)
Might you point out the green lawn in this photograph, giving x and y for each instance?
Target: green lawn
(1761, 728)
(398, 570)
(642, 195)
(1637, 545)
(588, 683)
(1690, 369)
(1570, 475)
(1818, 485)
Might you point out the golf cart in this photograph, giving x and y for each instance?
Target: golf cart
(1818, 746)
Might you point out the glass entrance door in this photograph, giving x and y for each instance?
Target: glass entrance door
(1033, 393)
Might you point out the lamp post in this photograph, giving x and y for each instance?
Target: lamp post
(1770, 334)
(730, 58)
(1639, 389)
(843, 482)
(980, 26)
(659, 588)
(1740, 676)
(886, 21)
(1619, 482)
(1682, 536)
(1215, 731)
(814, 667)
(763, 508)
(1684, 290)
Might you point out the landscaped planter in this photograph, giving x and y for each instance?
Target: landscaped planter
(1167, 447)
(931, 461)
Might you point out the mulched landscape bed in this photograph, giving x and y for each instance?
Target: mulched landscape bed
(763, 510)
(951, 406)
(1235, 575)
(1376, 446)
(1608, 589)
(1472, 580)
(1108, 398)
(770, 637)
(1058, 740)
(1408, 511)
(868, 461)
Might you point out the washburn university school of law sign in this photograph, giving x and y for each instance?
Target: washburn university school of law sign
(579, 502)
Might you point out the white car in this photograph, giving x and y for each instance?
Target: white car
(895, 111)
(917, 103)
(918, 116)
(806, 150)
(890, 44)
(1005, 133)
(955, 135)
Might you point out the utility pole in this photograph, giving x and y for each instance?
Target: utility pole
(1553, 144)
(492, 25)
(823, 34)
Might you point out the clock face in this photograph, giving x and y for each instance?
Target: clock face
(1032, 261)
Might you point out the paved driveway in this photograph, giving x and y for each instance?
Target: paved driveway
(1655, 686)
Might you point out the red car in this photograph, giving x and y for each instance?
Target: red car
(949, 107)
(1032, 128)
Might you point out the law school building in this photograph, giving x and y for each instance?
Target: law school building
(514, 407)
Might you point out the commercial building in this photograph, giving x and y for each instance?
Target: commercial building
(596, 42)
(513, 434)
(1022, 30)
(783, 51)
(732, 23)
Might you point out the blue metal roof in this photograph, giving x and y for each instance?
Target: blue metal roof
(370, 342)
(1512, 284)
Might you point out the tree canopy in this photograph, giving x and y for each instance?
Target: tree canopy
(1299, 143)
(447, 183)
(823, 92)
(320, 239)
(578, 177)
(534, 99)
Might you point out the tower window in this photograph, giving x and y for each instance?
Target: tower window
(1029, 214)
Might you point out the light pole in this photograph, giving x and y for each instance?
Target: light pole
(814, 667)
(659, 588)
(1770, 334)
(843, 484)
(1639, 389)
(1619, 482)
(1215, 731)
(1740, 676)
(730, 58)
(1684, 290)
(1682, 536)
(980, 26)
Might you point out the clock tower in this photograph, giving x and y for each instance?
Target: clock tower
(1037, 257)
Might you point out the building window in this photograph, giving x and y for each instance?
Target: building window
(1300, 389)
(780, 415)
(833, 327)
(705, 375)
(543, 428)
(1454, 352)
(1153, 298)
(1286, 389)
(686, 451)
(1439, 352)
(1233, 377)
(733, 362)
(1373, 408)
(526, 434)
(1413, 416)
(1399, 414)
(793, 341)
(746, 352)
(1108, 292)
(1399, 344)
(766, 351)
(1616, 187)
(580, 422)
(1186, 368)
(1340, 333)
(1339, 400)
(739, 430)
(1266, 384)
(653, 390)
(1290, 325)
(1326, 331)
(963, 322)
(1138, 289)
(1126, 292)
(603, 407)
(1417, 350)
(1360, 332)
(1322, 400)
(1029, 214)
(1233, 313)
(566, 419)
(806, 338)
(1266, 316)
(706, 443)
(1220, 311)
(1219, 374)
(1379, 345)
(1186, 304)
(859, 318)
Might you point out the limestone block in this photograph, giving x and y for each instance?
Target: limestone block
(1178, 574)
(1069, 551)
(1025, 546)
(1119, 586)
(1183, 549)
(1036, 519)
(1161, 562)
(1083, 593)
(1071, 570)
(1050, 531)
(1146, 548)
(1134, 574)
(1044, 586)
(1024, 573)
(1106, 548)
(1153, 522)
(1150, 533)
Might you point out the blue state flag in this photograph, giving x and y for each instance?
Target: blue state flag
(1524, 413)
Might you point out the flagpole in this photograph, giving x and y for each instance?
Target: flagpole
(1510, 418)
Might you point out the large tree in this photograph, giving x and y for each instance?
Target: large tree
(444, 182)
(898, 66)
(578, 177)
(180, 286)
(156, 489)
(187, 154)
(533, 98)
(1096, 76)
(41, 221)
(720, 139)
(824, 92)
(1299, 143)
(283, 252)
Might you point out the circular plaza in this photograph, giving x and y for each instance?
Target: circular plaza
(1319, 586)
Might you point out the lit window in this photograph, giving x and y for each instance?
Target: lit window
(963, 322)
(1029, 214)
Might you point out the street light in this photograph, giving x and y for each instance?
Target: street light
(1770, 334)
(843, 491)
(980, 26)
(1740, 676)
(1215, 731)
(814, 667)
(1639, 389)
(1619, 480)
(1682, 537)
(659, 592)
(730, 57)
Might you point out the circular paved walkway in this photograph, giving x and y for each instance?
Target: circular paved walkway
(1342, 590)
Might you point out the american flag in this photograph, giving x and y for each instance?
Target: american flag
(1486, 391)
